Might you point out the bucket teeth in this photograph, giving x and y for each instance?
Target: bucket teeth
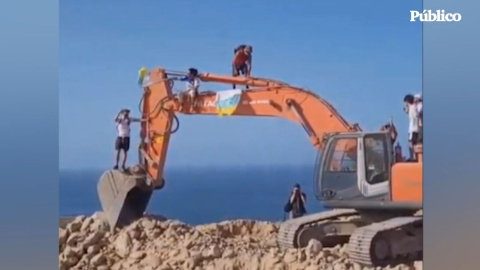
(123, 196)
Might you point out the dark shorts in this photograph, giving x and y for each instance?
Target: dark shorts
(413, 138)
(240, 70)
(122, 143)
(420, 135)
(295, 215)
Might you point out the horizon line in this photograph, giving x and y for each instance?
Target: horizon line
(196, 166)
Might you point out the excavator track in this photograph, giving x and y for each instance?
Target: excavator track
(391, 242)
(290, 230)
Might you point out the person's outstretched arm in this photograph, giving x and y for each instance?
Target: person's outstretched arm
(138, 120)
(183, 78)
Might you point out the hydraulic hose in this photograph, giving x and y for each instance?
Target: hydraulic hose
(158, 108)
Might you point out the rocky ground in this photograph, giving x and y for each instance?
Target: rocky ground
(154, 243)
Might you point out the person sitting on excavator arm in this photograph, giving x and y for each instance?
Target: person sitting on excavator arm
(242, 61)
(191, 87)
(413, 125)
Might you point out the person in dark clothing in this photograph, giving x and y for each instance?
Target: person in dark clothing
(390, 128)
(297, 202)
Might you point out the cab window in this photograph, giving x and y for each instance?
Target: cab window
(342, 156)
(376, 158)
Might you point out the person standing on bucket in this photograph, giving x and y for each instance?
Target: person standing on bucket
(122, 143)
(296, 205)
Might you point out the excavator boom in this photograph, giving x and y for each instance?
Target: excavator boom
(268, 98)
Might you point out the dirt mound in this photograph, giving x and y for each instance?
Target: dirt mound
(155, 243)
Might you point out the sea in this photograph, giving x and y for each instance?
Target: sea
(199, 195)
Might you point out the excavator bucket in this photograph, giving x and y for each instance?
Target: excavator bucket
(123, 196)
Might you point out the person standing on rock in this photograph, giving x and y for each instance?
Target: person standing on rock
(122, 143)
(296, 205)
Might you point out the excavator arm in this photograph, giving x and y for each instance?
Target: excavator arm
(125, 195)
(267, 98)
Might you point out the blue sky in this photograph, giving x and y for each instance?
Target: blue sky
(362, 56)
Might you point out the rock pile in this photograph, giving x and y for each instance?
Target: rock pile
(154, 243)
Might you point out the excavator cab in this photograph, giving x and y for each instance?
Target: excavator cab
(355, 170)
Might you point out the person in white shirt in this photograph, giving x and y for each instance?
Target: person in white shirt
(418, 100)
(122, 143)
(419, 103)
(414, 120)
(191, 88)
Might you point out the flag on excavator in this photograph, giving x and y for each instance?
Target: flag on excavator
(141, 75)
(227, 101)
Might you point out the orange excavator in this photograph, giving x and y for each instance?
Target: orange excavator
(373, 199)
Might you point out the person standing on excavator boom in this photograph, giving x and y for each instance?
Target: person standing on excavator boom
(242, 61)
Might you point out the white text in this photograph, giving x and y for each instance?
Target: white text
(438, 16)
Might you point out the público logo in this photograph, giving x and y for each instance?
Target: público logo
(437, 16)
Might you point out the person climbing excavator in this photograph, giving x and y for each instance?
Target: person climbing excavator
(373, 199)
(242, 62)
